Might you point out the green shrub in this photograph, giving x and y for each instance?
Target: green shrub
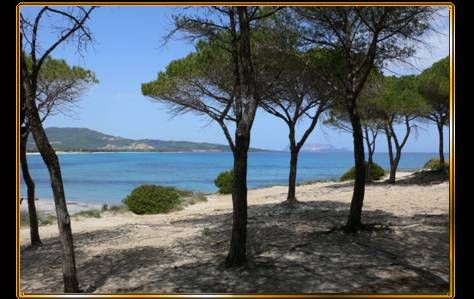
(88, 214)
(435, 165)
(376, 171)
(224, 181)
(152, 199)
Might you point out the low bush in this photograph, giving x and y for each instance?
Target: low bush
(376, 171)
(435, 165)
(88, 214)
(224, 181)
(152, 199)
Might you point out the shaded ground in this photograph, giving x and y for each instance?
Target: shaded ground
(290, 250)
(425, 177)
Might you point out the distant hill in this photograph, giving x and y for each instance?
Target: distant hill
(319, 148)
(83, 139)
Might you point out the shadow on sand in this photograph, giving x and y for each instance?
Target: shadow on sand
(290, 250)
(420, 178)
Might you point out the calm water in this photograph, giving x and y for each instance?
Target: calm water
(109, 177)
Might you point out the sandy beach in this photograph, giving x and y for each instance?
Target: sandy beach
(290, 250)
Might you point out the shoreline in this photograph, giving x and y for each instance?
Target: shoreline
(46, 206)
(81, 204)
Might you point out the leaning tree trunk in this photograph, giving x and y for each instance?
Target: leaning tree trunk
(441, 152)
(291, 198)
(237, 253)
(30, 185)
(64, 223)
(354, 221)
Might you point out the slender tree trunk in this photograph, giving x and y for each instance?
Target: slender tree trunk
(64, 223)
(394, 166)
(354, 221)
(291, 198)
(237, 253)
(391, 178)
(30, 185)
(368, 170)
(441, 152)
(398, 147)
(370, 162)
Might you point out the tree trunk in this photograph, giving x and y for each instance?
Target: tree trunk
(237, 253)
(370, 162)
(391, 178)
(394, 166)
(30, 185)
(441, 152)
(64, 224)
(291, 198)
(355, 214)
(368, 170)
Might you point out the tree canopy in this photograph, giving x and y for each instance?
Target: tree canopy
(433, 85)
(60, 85)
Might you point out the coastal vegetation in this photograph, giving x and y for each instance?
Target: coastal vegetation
(151, 199)
(224, 181)
(306, 66)
(434, 86)
(376, 173)
(437, 165)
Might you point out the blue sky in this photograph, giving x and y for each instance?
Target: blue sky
(128, 51)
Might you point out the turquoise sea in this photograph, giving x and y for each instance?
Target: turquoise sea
(109, 177)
